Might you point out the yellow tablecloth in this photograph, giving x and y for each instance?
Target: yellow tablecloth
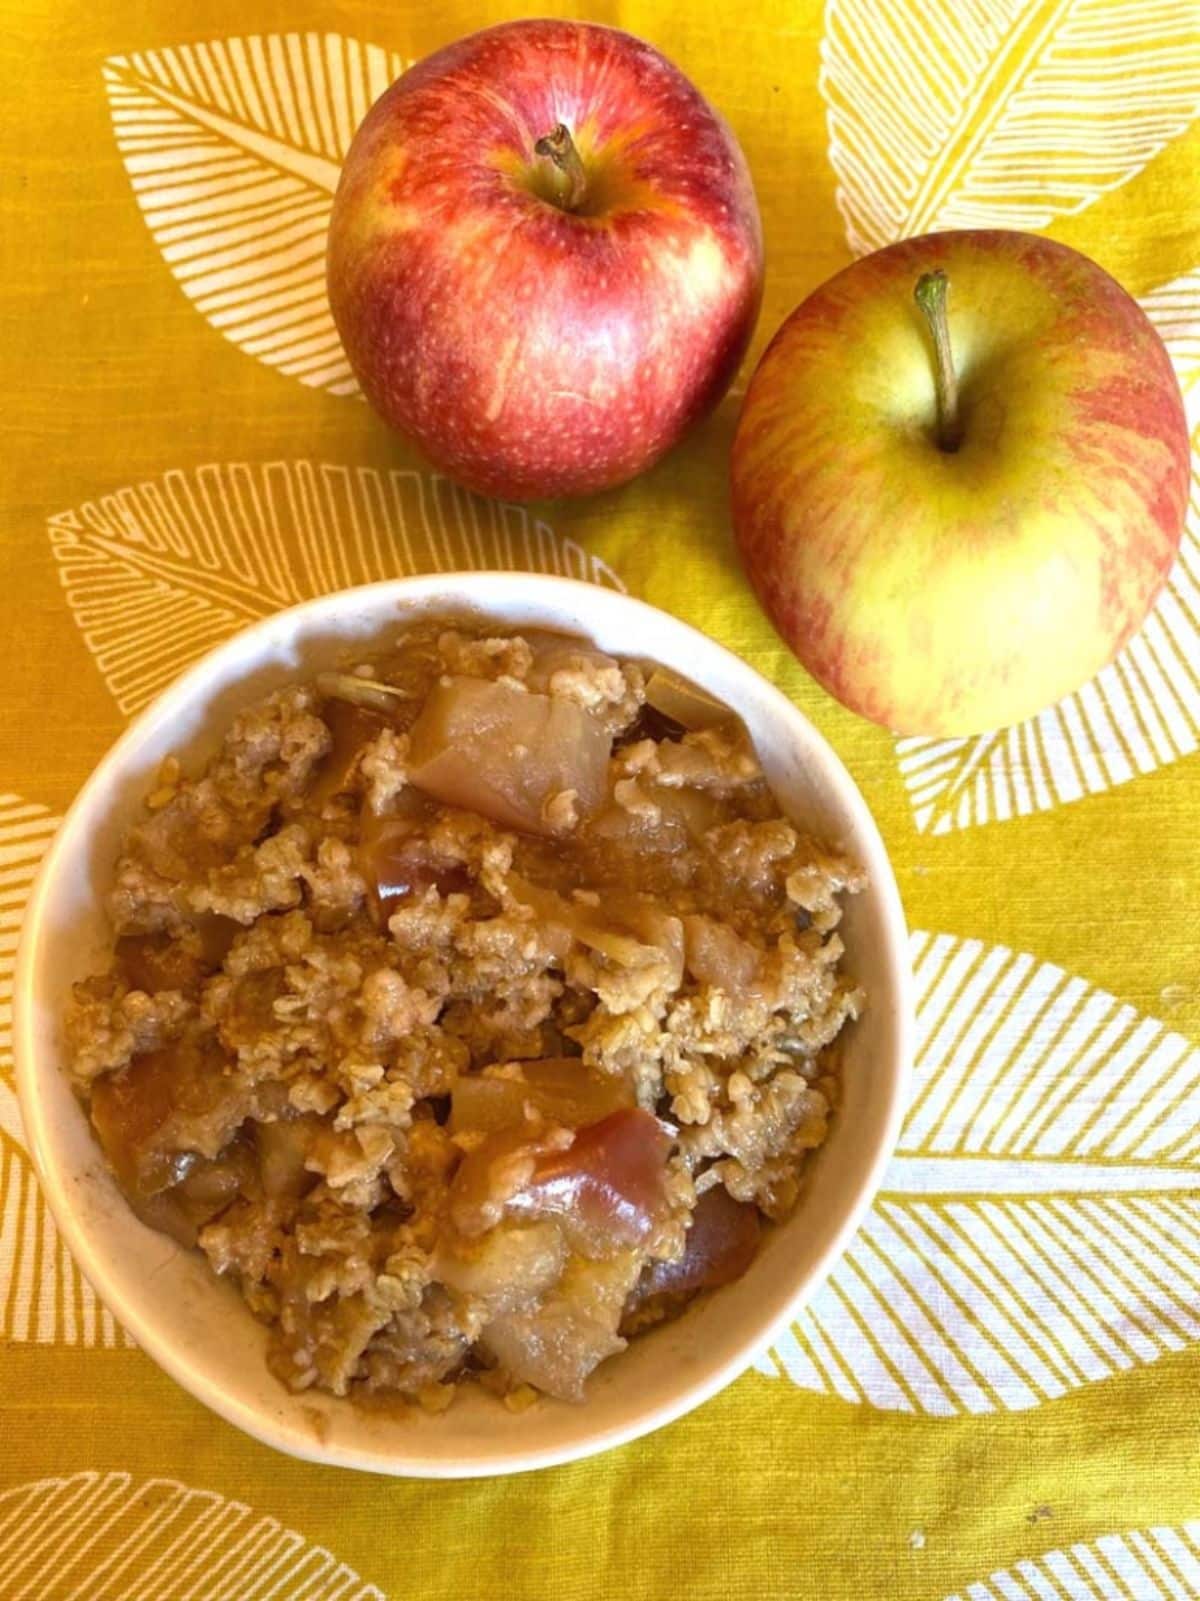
(995, 1395)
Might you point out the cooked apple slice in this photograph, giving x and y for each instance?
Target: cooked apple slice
(166, 1125)
(606, 1186)
(560, 1089)
(165, 1104)
(508, 1267)
(506, 754)
(683, 702)
(397, 860)
(557, 1346)
(721, 1243)
(352, 727)
(603, 1183)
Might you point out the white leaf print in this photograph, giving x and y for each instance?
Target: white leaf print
(1174, 309)
(1139, 1565)
(233, 149)
(159, 572)
(43, 1296)
(1005, 115)
(109, 1536)
(25, 830)
(1039, 1226)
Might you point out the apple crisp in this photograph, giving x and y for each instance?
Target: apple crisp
(471, 1011)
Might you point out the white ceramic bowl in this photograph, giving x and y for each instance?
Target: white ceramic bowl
(196, 1327)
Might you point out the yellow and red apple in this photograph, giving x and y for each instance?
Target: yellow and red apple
(545, 257)
(942, 562)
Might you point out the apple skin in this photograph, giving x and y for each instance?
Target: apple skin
(950, 593)
(530, 350)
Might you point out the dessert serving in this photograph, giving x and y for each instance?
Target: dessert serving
(473, 1010)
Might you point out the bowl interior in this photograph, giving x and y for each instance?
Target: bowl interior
(197, 1328)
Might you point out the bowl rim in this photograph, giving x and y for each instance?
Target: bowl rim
(469, 591)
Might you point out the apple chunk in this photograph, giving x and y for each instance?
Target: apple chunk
(603, 1183)
(506, 754)
(557, 1346)
(722, 1241)
(606, 1187)
(560, 1089)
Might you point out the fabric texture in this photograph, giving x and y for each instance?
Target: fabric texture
(995, 1393)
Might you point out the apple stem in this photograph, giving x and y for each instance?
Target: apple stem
(930, 294)
(559, 148)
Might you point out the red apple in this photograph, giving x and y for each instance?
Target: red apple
(948, 564)
(545, 257)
